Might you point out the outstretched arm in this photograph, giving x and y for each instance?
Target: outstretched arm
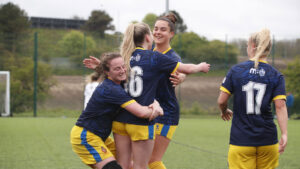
(282, 117)
(193, 68)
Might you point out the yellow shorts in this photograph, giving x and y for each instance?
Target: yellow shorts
(247, 157)
(89, 147)
(135, 132)
(165, 130)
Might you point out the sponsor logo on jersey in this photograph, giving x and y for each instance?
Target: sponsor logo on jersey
(136, 58)
(261, 72)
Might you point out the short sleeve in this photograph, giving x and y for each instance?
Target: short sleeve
(116, 95)
(166, 63)
(279, 90)
(227, 85)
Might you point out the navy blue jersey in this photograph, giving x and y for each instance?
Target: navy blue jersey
(146, 68)
(253, 90)
(103, 106)
(166, 96)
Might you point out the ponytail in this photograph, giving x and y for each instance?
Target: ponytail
(128, 46)
(133, 37)
(262, 41)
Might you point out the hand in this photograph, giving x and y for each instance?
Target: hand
(177, 78)
(91, 62)
(227, 115)
(204, 67)
(282, 143)
(156, 110)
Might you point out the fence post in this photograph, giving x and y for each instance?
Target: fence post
(35, 59)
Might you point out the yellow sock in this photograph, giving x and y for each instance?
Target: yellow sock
(157, 165)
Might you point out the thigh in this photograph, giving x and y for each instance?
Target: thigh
(267, 157)
(142, 151)
(89, 147)
(123, 146)
(140, 132)
(165, 130)
(242, 157)
(161, 144)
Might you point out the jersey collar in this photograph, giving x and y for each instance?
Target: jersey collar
(263, 61)
(140, 48)
(164, 52)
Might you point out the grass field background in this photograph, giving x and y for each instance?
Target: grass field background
(43, 143)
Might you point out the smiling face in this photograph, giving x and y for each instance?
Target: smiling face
(162, 33)
(117, 70)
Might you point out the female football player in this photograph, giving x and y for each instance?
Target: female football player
(134, 136)
(89, 137)
(255, 84)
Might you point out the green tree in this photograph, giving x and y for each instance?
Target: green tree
(187, 45)
(14, 25)
(180, 25)
(292, 76)
(193, 48)
(72, 46)
(99, 22)
(150, 19)
(22, 82)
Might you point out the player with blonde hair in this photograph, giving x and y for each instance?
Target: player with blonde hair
(133, 133)
(255, 84)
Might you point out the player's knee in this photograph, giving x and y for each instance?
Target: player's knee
(112, 165)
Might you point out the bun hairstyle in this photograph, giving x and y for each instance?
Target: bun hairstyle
(262, 43)
(104, 63)
(171, 19)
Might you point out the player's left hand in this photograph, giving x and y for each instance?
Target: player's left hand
(227, 115)
(282, 143)
(177, 78)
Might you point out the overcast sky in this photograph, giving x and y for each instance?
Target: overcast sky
(213, 19)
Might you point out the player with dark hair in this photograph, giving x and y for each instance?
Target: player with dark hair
(163, 32)
(255, 84)
(133, 133)
(90, 135)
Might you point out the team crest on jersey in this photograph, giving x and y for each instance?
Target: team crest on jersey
(136, 58)
(103, 149)
(261, 72)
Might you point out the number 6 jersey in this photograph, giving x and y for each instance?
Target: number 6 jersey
(146, 68)
(254, 90)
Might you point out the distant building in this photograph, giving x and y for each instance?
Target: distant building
(56, 23)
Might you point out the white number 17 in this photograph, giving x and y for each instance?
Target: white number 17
(249, 89)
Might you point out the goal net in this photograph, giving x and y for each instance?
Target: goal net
(4, 93)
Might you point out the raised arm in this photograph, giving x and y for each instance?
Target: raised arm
(282, 117)
(91, 62)
(193, 68)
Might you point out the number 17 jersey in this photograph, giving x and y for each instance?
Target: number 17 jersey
(254, 90)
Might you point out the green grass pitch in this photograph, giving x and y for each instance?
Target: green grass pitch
(43, 143)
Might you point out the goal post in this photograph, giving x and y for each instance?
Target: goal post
(5, 93)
